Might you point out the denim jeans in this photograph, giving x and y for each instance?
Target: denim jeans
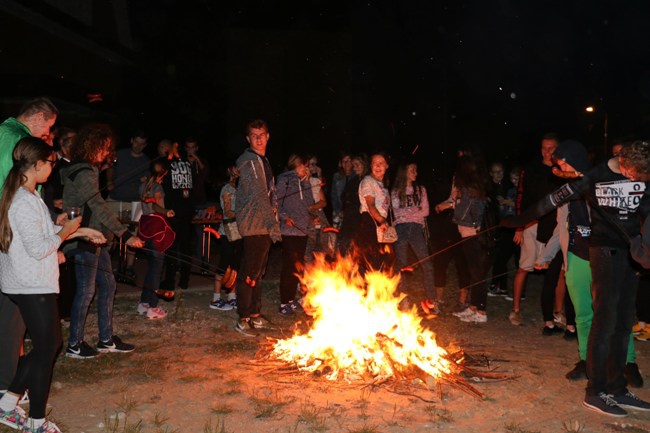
(614, 285)
(94, 273)
(155, 260)
(412, 234)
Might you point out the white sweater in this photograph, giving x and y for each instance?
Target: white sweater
(31, 265)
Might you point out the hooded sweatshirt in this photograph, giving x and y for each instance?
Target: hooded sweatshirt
(294, 198)
(255, 201)
(81, 189)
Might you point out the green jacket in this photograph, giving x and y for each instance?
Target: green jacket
(11, 131)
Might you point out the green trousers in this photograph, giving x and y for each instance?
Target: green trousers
(578, 283)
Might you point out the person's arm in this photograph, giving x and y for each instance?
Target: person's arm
(87, 181)
(424, 204)
(565, 193)
(320, 204)
(374, 212)
(28, 226)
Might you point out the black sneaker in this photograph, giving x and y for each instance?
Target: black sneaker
(244, 327)
(114, 344)
(570, 335)
(81, 351)
(551, 330)
(630, 401)
(633, 375)
(578, 372)
(604, 404)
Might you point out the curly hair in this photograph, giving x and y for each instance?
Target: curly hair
(91, 141)
(636, 155)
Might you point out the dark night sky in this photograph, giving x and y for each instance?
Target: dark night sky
(365, 75)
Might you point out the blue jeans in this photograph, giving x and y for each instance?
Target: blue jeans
(412, 234)
(155, 260)
(93, 272)
(614, 285)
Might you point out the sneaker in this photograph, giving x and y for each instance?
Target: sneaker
(496, 290)
(47, 427)
(578, 372)
(570, 335)
(24, 400)
(559, 319)
(296, 307)
(643, 335)
(233, 303)
(465, 313)
(286, 310)
(633, 375)
(81, 351)
(260, 322)
(515, 318)
(14, 418)
(143, 307)
(115, 345)
(630, 401)
(476, 317)
(156, 313)
(243, 326)
(604, 404)
(221, 305)
(637, 329)
(547, 331)
(430, 308)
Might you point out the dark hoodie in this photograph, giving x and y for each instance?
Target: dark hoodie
(579, 225)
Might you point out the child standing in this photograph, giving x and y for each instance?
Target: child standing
(30, 240)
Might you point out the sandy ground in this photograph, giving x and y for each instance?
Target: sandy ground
(191, 372)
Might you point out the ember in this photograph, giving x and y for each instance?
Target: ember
(358, 329)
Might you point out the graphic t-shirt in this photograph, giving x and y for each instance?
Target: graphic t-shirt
(618, 205)
(177, 185)
(415, 207)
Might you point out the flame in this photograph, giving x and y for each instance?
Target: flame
(358, 328)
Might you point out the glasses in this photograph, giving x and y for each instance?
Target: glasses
(51, 161)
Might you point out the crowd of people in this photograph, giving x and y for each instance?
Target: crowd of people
(578, 226)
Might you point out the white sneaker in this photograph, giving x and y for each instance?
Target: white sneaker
(143, 308)
(155, 313)
(475, 317)
(466, 312)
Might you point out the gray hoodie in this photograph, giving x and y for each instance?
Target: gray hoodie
(255, 200)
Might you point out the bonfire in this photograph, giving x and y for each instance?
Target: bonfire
(358, 332)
